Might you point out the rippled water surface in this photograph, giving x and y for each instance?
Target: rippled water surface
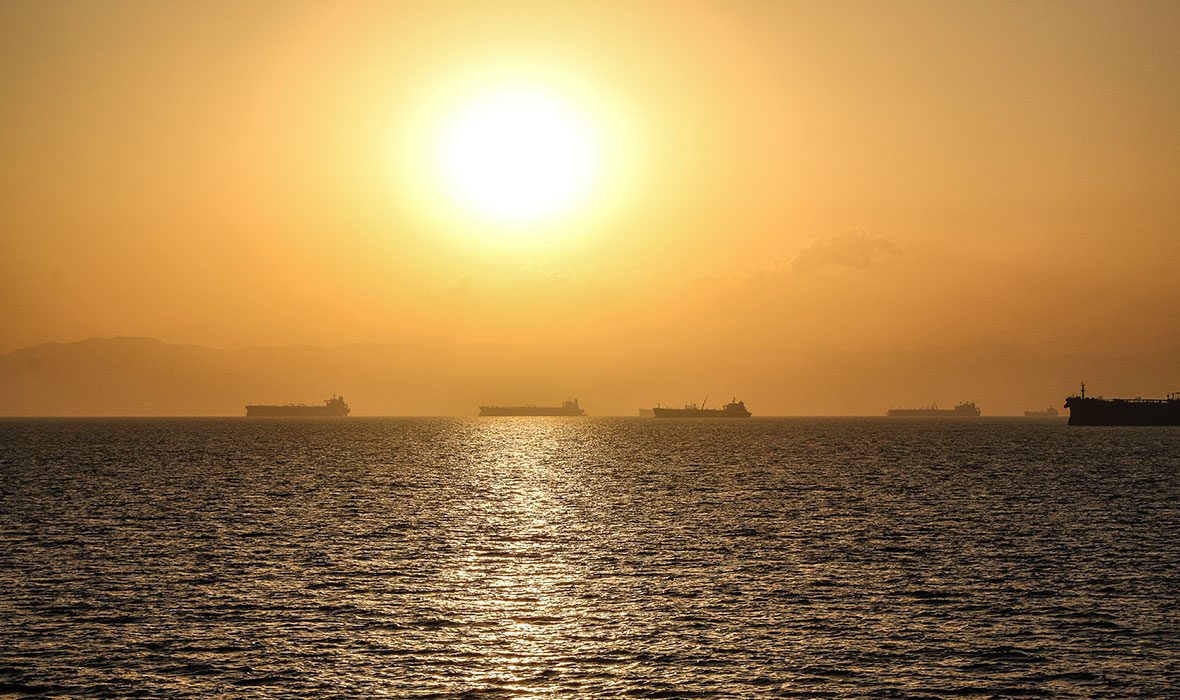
(592, 557)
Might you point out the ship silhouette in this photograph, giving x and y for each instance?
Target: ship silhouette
(567, 408)
(1047, 413)
(963, 410)
(1089, 410)
(733, 409)
(333, 407)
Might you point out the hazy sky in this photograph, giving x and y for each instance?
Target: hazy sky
(857, 175)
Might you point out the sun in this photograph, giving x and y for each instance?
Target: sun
(517, 157)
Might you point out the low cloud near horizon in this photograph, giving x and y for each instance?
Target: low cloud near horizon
(856, 248)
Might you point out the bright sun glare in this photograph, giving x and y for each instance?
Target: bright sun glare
(516, 158)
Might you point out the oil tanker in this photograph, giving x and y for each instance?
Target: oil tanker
(1047, 413)
(733, 409)
(567, 408)
(333, 408)
(1088, 410)
(963, 410)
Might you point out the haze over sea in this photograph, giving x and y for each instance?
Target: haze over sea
(596, 557)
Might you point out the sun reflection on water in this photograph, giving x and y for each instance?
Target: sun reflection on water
(517, 583)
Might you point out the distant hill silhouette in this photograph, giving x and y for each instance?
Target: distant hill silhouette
(143, 376)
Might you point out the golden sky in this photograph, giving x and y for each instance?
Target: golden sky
(857, 175)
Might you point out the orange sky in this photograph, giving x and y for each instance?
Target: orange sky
(858, 175)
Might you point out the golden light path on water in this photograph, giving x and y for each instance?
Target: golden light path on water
(522, 576)
(511, 582)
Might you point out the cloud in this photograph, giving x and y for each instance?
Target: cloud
(461, 288)
(542, 276)
(853, 249)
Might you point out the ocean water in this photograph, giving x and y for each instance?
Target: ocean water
(598, 557)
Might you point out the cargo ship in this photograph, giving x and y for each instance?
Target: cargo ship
(733, 409)
(647, 413)
(963, 410)
(1047, 413)
(332, 408)
(567, 408)
(1088, 410)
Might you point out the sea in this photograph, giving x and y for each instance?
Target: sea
(588, 558)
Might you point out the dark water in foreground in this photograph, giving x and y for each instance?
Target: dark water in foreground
(519, 558)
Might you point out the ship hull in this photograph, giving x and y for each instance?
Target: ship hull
(1087, 411)
(927, 413)
(698, 413)
(569, 408)
(528, 411)
(294, 412)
